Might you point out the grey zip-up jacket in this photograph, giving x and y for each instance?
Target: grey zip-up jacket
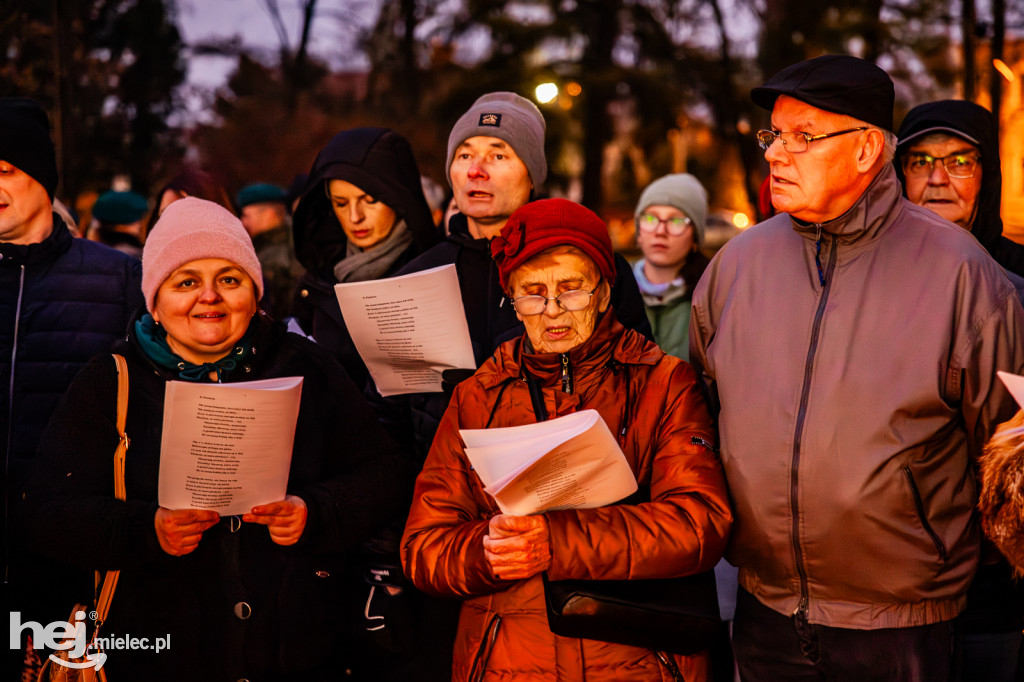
(852, 404)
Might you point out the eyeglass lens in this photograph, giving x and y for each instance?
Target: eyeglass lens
(794, 142)
(957, 165)
(570, 301)
(675, 226)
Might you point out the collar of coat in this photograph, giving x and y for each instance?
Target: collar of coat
(867, 219)
(610, 344)
(58, 241)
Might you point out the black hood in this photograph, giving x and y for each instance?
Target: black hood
(974, 123)
(380, 162)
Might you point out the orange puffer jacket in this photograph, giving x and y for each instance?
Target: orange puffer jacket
(652, 402)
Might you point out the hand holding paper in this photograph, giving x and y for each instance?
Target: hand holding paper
(180, 530)
(517, 547)
(285, 519)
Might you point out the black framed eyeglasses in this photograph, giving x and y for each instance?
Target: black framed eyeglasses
(570, 301)
(676, 226)
(796, 142)
(962, 166)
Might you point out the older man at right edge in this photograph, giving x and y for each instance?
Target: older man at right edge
(851, 345)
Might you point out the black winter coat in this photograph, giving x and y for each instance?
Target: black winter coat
(343, 466)
(68, 299)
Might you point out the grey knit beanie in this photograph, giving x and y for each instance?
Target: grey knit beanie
(682, 191)
(511, 118)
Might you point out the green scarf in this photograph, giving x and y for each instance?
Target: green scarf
(153, 341)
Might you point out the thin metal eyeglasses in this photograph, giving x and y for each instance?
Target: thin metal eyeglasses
(570, 301)
(797, 142)
(676, 226)
(962, 166)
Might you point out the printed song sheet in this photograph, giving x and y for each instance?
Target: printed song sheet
(227, 447)
(572, 462)
(1015, 385)
(408, 329)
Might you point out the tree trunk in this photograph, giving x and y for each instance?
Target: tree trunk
(995, 79)
(599, 24)
(968, 21)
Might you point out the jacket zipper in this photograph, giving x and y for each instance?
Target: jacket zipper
(794, 474)
(567, 383)
(671, 665)
(483, 654)
(698, 440)
(10, 405)
(919, 504)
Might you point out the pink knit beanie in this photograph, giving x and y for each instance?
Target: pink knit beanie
(191, 229)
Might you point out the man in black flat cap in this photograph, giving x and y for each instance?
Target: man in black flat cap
(850, 346)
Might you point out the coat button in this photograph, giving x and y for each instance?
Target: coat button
(242, 610)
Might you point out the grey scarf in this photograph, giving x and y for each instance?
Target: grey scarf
(363, 265)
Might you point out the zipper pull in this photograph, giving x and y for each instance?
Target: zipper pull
(566, 374)
(817, 256)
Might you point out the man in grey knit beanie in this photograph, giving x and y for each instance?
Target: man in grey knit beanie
(496, 159)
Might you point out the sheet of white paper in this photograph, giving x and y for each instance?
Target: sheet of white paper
(227, 447)
(1015, 385)
(497, 454)
(572, 462)
(408, 329)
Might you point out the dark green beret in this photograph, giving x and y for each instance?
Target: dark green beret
(120, 208)
(261, 192)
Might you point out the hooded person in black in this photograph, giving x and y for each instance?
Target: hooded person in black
(380, 163)
(977, 126)
(992, 621)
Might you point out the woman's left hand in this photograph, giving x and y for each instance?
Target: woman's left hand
(285, 519)
(517, 547)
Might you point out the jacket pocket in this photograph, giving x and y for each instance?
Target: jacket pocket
(483, 653)
(922, 517)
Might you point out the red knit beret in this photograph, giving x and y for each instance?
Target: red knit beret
(543, 224)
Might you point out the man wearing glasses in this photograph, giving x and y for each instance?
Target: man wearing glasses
(949, 163)
(948, 160)
(851, 344)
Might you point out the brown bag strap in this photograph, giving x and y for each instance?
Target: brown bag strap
(120, 492)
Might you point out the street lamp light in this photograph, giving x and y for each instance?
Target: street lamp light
(546, 92)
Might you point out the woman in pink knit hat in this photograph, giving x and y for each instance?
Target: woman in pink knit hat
(253, 596)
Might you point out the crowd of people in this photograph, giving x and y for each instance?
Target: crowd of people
(814, 412)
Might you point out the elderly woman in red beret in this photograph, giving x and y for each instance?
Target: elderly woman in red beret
(555, 260)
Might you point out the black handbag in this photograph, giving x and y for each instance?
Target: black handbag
(675, 615)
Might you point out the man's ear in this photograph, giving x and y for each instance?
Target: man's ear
(871, 150)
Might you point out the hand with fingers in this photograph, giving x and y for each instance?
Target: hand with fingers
(517, 547)
(285, 519)
(180, 530)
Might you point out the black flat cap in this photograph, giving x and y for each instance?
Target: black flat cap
(834, 82)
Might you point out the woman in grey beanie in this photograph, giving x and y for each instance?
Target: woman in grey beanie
(670, 220)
